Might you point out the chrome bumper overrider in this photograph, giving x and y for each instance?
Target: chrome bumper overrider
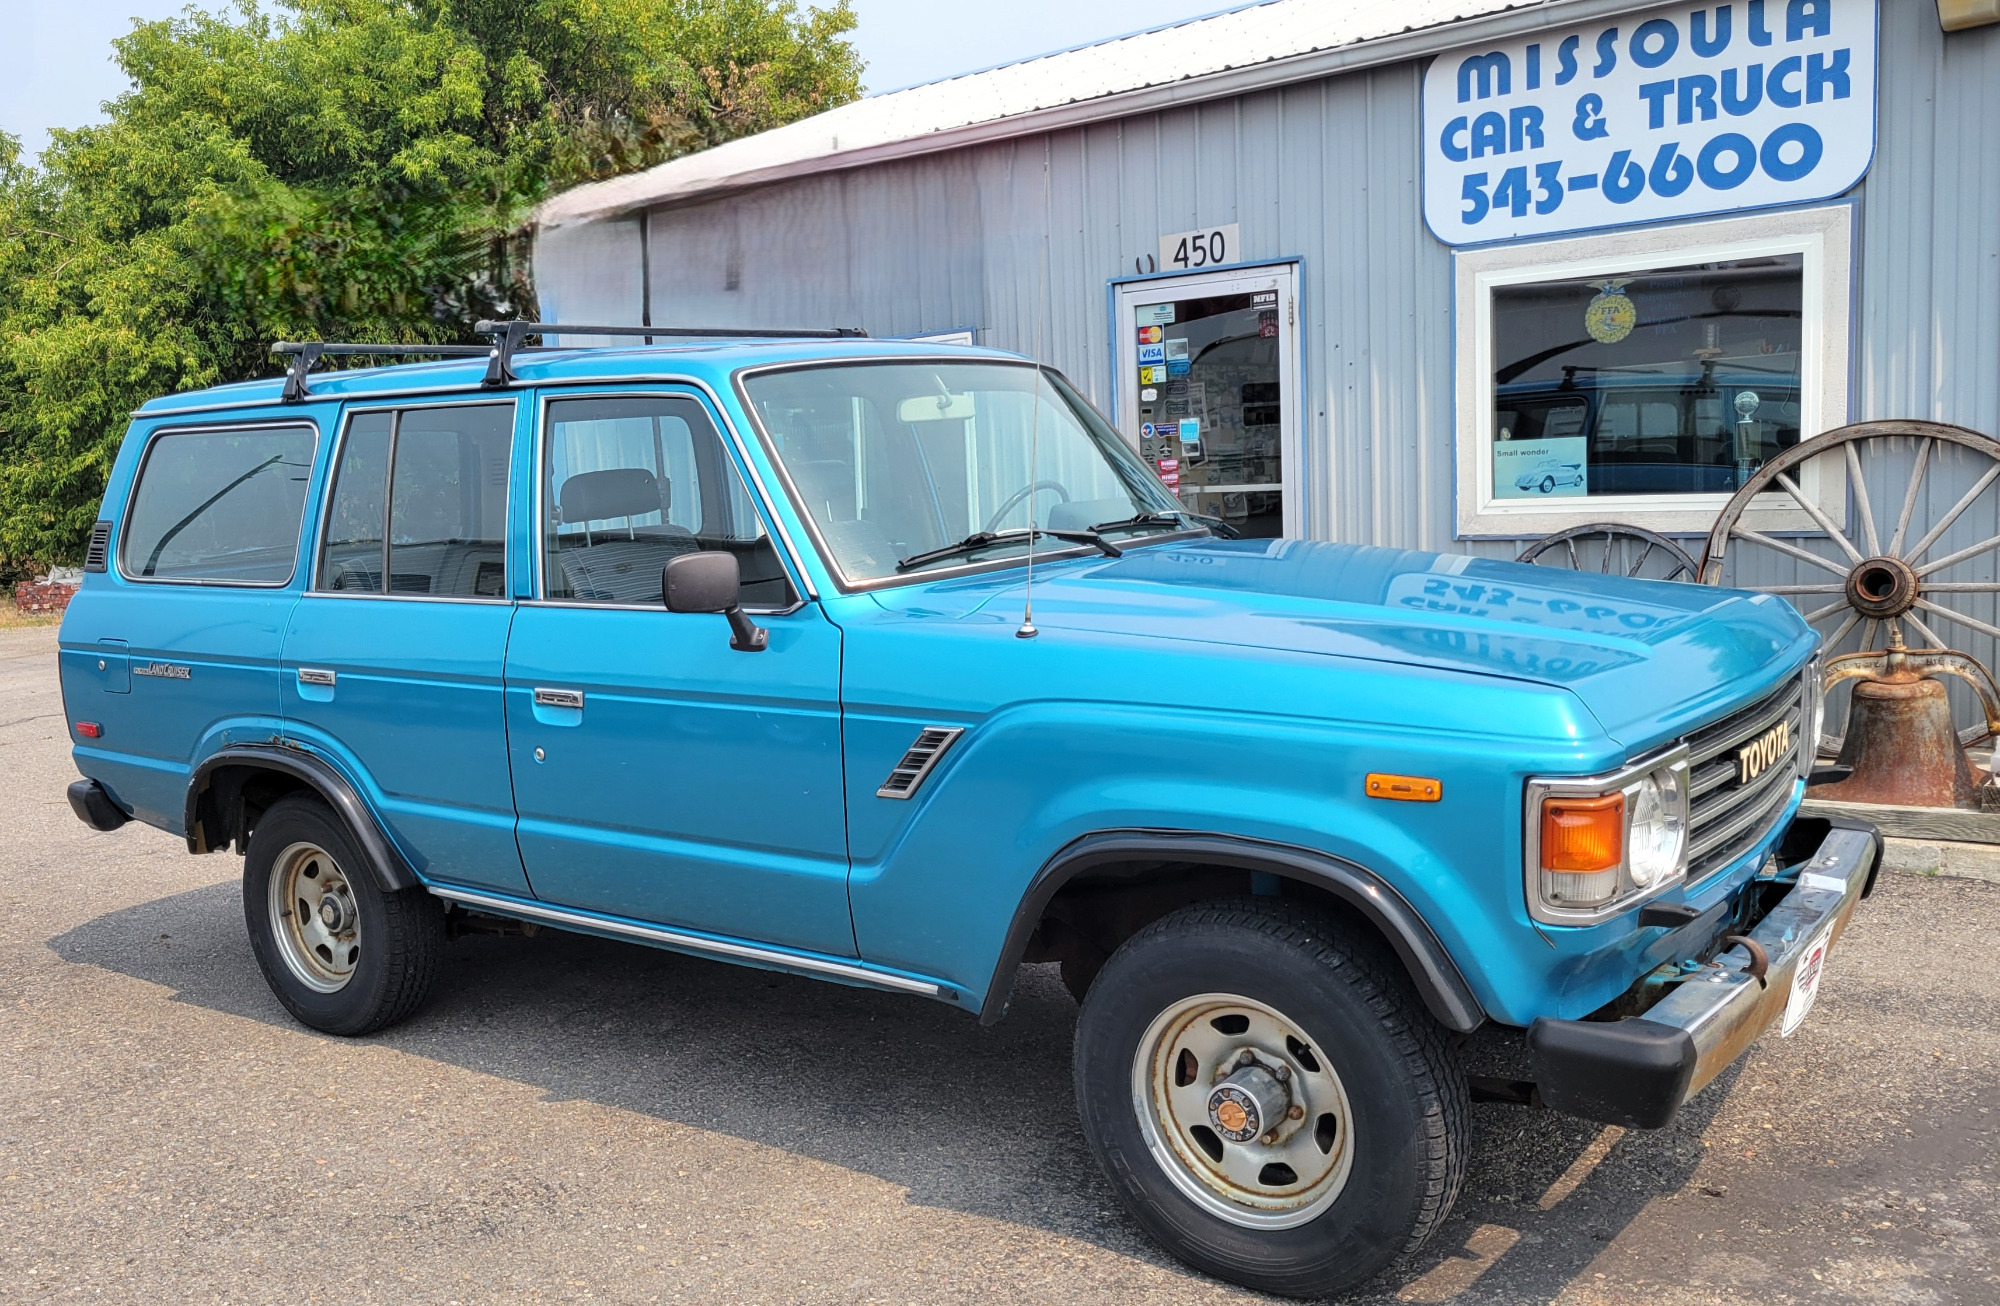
(1638, 1071)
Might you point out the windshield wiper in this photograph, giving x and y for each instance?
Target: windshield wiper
(984, 539)
(1214, 524)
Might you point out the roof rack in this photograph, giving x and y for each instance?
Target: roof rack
(507, 338)
(507, 341)
(306, 354)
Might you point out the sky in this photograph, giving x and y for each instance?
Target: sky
(59, 70)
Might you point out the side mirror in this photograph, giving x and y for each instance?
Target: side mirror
(712, 582)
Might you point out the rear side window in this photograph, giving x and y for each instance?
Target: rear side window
(220, 507)
(420, 497)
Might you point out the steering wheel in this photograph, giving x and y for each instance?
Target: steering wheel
(1025, 492)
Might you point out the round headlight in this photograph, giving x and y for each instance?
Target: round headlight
(1659, 827)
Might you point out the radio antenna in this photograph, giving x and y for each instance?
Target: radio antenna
(1028, 630)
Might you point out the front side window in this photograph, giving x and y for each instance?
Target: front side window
(420, 497)
(892, 461)
(629, 483)
(1679, 380)
(219, 506)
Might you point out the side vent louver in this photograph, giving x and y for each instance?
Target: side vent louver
(98, 556)
(917, 763)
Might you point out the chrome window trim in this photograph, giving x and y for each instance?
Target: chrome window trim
(312, 589)
(802, 583)
(117, 547)
(841, 579)
(1597, 786)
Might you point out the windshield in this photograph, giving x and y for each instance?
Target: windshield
(893, 460)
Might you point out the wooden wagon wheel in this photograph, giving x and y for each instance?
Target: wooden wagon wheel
(1573, 549)
(1881, 576)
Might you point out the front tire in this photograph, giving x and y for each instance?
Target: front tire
(342, 955)
(1271, 1101)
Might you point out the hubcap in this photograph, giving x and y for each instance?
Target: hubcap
(314, 918)
(1242, 1111)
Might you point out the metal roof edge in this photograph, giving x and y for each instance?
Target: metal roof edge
(1371, 52)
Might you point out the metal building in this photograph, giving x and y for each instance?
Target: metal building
(1441, 274)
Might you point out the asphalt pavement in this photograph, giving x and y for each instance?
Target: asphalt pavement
(576, 1120)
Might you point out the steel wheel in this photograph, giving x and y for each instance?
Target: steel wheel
(1929, 568)
(1245, 1116)
(314, 918)
(1608, 548)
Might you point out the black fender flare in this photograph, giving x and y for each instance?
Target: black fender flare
(392, 872)
(1430, 967)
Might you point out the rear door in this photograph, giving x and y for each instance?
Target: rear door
(660, 774)
(392, 663)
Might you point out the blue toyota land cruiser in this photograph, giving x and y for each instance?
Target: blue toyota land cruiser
(895, 666)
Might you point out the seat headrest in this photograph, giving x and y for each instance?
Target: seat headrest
(614, 492)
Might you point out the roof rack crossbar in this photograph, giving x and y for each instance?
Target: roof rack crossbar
(507, 337)
(305, 355)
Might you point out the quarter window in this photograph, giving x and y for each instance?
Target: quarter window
(629, 484)
(219, 506)
(421, 498)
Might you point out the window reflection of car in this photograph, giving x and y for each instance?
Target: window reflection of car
(1547, 476)
(1655, 432)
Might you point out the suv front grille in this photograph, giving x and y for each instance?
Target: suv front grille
(1731, 812)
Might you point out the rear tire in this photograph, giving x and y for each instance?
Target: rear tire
(341, 954)
(1364, 1101)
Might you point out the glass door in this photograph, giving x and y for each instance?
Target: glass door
(1208, 391)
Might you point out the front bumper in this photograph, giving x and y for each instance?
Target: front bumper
(1638, 1071)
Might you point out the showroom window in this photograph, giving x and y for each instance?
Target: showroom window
(1645, 376)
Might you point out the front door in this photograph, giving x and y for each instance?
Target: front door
(393, 658)
(659, 774)
(1208, 391)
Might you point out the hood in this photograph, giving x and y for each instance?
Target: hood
(1649, 659)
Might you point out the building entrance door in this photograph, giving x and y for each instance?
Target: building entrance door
(1208, 391)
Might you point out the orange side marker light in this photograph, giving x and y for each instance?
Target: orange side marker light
(1404, 788)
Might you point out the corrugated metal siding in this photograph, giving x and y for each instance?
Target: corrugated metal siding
(1327, 172)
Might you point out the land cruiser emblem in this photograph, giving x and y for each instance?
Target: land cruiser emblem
(1755, 757)
(164, 670)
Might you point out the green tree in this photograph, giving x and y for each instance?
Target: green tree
(337, 169)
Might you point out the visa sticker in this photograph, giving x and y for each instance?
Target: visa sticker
(1152, 353)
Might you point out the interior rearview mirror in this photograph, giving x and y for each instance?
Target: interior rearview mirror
(712, 582)
(937, 408)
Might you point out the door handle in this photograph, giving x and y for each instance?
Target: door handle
(571, 698)
(316, 676)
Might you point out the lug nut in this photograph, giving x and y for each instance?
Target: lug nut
(1284, 1073)
(1297, 1112)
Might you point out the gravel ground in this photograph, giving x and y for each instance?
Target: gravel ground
(577, 1120)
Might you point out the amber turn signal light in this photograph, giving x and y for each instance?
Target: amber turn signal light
(1406, 788)
(1583, 834)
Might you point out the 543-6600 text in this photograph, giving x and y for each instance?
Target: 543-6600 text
(1725, 162)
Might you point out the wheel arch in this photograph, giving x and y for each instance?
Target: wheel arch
(1129, 862)
(231, 788)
